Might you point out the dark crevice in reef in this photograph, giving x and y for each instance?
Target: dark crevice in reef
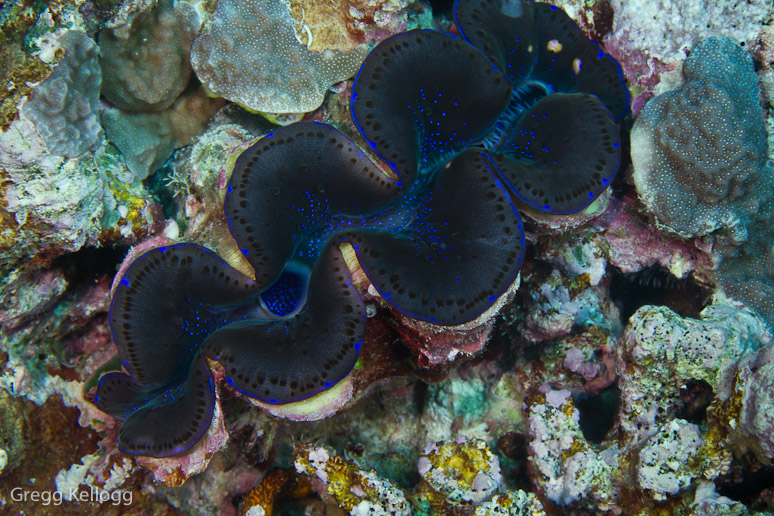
(419, 399)
(597, 412)
(752, 487)
(157, 186)
(655, 285)
(602, 17)
(399, 468)
(90, 263)
(512, 453)
(695, 397)
(441, 7)
(622, 184)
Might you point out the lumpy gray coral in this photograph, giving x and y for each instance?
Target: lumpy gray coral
(145, 56)
(699, 152)
(64, 107)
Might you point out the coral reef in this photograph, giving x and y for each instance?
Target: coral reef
(429, 290)
(673, 351)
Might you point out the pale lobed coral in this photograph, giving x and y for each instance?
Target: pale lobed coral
(250, 55)
(64, 107)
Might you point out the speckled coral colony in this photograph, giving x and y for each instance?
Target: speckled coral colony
(518, 111)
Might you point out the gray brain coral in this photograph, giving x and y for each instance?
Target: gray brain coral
(250, 55)
(699, 151)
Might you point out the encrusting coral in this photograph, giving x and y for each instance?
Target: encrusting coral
(464, 472)
(700, 158)
(297, 328)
